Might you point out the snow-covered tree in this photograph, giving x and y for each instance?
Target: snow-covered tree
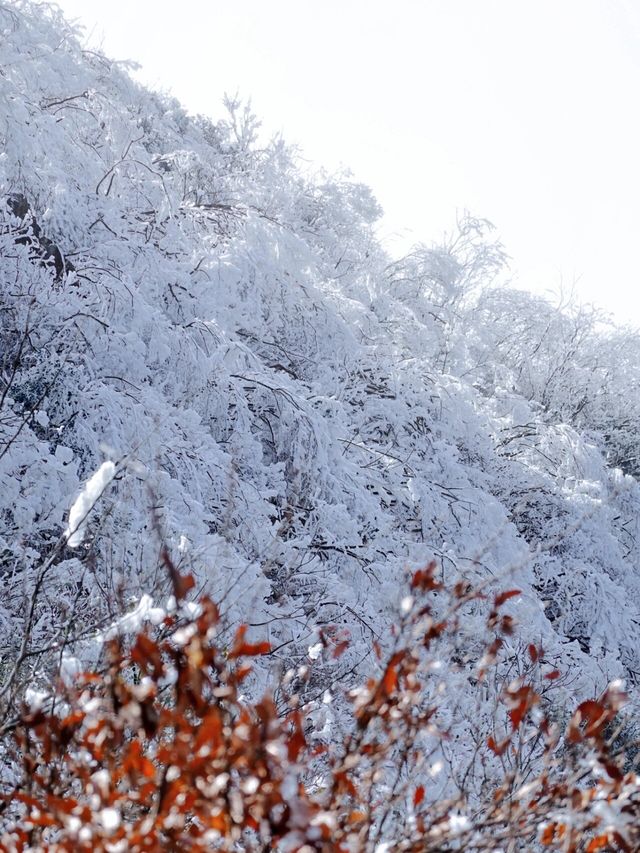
(288, 413)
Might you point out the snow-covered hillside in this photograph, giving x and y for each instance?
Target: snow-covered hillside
(297, 416)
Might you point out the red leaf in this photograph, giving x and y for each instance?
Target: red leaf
(182, 584)
(593, 714)
(461, 589)
(418, 796)
(497, 748)
(516, 715)
(613, 771)
(340, 649)
(551, 676)
(506, 625)
(434, 631)
(242, 649)
(533, 653)
(520, 700)
(296, 741)
(251, 650)
(495, 647)
(343, 783)
(424, 579)
(505, 596)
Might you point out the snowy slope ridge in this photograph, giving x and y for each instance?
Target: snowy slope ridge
(298, 416)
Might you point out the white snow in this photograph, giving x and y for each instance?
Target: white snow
(85, 502)
(70, 668)
(110, 819)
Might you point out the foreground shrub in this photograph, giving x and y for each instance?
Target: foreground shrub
(162, 750)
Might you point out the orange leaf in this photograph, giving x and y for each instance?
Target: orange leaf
(390, 678)
(242, 672)
(598, 843)
(219, 821)
(239, 637)
(357, 817)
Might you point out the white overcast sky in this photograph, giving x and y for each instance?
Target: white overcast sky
(526, 112)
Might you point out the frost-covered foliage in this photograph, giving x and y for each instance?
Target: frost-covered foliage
(289, 413)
